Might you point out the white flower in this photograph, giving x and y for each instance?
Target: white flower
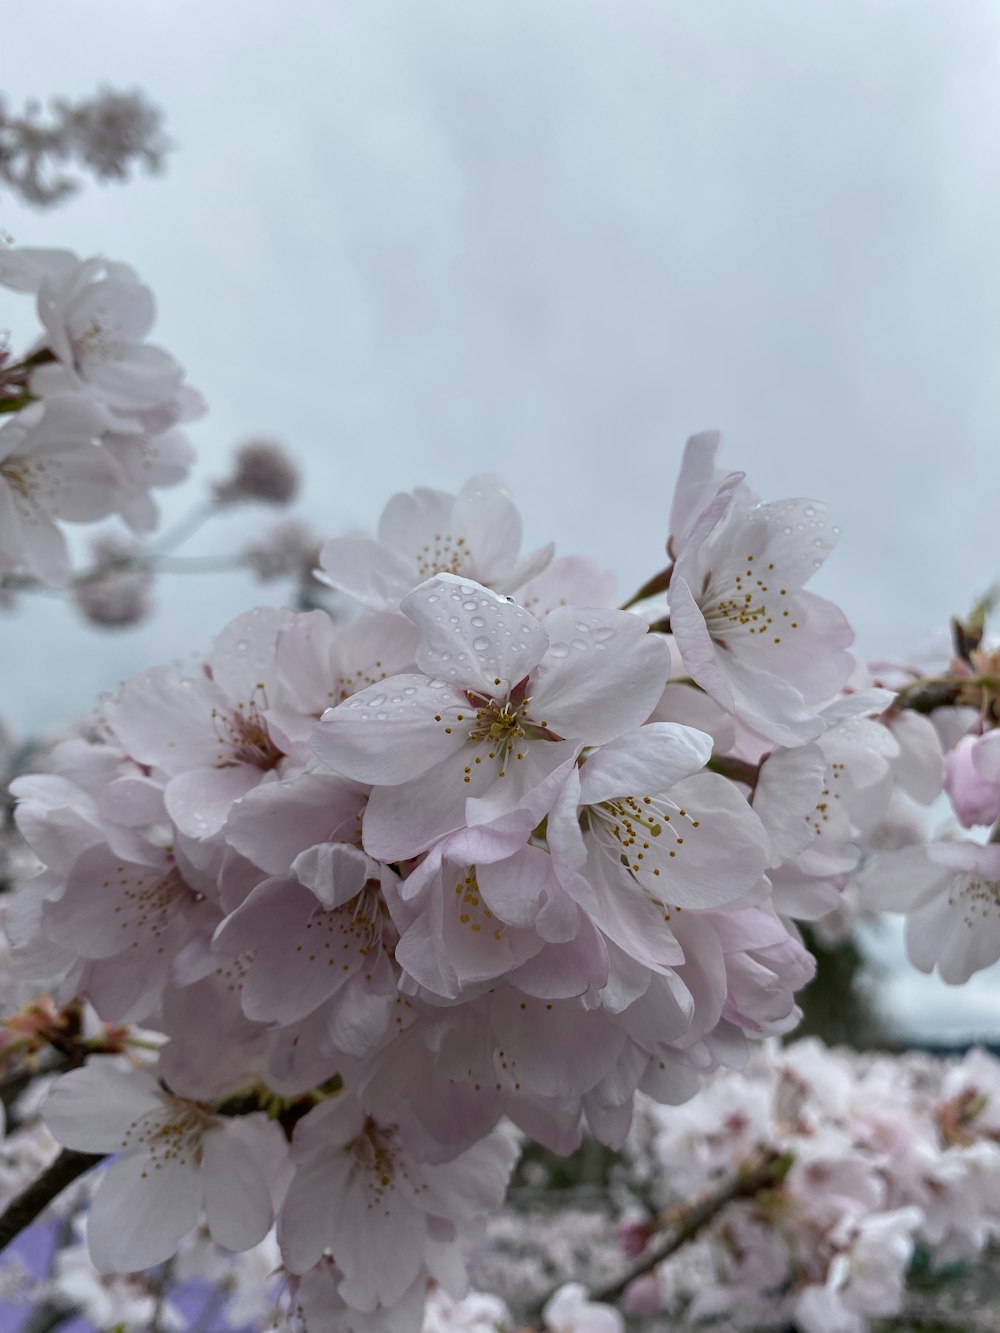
(569, 1311)
(476, 534)
(174, 1158)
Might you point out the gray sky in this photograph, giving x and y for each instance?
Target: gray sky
(550, 238)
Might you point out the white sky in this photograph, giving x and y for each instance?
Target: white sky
(550, 238)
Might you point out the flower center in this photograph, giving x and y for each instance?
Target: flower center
(976, 898)
(172, 1134)
(744, 608)
(476, 918)
(244, 737)
(644, 835)
(444, 554)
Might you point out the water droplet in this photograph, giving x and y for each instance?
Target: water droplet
(580, 645)
(809, 511)
(431, 598)
(376, 700)
(603, 635)
(382, 717)
(437, 684)
(477, 621)
(584, 629)
(788, 532)
(481, 644)
(559, 650)
(409, 690)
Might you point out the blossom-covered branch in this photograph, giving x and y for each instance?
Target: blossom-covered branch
(107, 135)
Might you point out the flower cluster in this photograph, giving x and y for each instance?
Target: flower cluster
(107, 134)
(91, 410)
(491, 851)
(887, 1156)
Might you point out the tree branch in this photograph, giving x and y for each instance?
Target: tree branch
(761, 1170)
(22, 1211)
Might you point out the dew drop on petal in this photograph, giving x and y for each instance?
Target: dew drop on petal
(481, 644)
(559, 650)
(477, 621)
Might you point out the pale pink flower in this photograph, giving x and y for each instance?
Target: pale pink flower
(570, 580)
(174, 1159)
(972, 779)
(359, 1194)
(866, 1277)
(147, 459)
(569, 1310)
(475, 910)
(321, 662)
(476, 534)
(748, 632)
(52, 468)
(639, 834)
(478, 1312)
(96, 317)
(504, 705)
(208, 734)
(950, 892)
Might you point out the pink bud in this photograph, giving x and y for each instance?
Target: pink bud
(642, 1298)
(974, 796)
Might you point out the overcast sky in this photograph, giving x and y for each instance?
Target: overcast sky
(550, 238)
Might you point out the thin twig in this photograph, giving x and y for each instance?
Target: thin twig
(22, 1211)
(760, 1171)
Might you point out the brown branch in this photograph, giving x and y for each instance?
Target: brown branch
(762, 1170)
(22, 1211)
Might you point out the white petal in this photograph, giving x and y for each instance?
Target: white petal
(91, 1109)
(603, 674)
(472, 636)
(237, 1200)
(141, 1213)
(649, 760)
(390, 732)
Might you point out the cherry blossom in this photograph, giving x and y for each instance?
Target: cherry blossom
(747, 631)
(52, 468)
(950, 892)
(173, 1160)
(505, 702)
(475, 534)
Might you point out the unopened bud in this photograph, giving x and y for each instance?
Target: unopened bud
(263, 471)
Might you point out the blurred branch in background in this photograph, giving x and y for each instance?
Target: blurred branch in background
(108, 136)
